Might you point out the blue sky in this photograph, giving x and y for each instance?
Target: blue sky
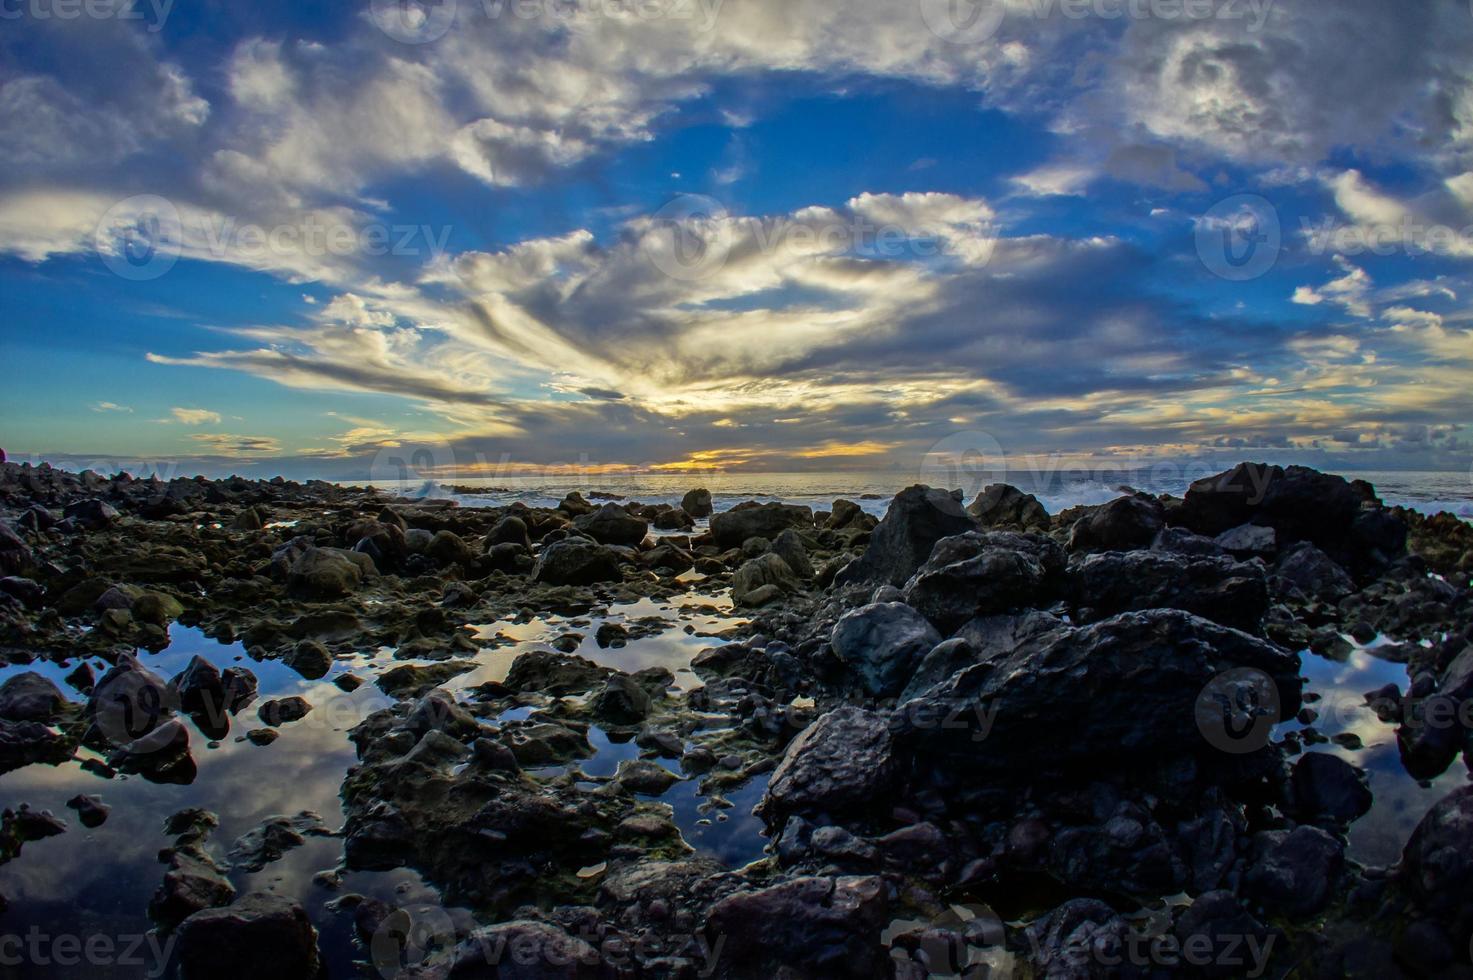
(746, 234)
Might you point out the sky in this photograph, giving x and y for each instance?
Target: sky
(509, 236)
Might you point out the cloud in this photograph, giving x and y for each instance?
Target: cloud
(224, 444)
(195, 416)
(111, 407)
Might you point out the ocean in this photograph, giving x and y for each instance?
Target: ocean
(1429, 492)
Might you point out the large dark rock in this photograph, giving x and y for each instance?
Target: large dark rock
(29, 696)
(763, 579)
(509, 530)
(1228, 592)
(92, 514)
(1007, 507)
(697, 503)
(261, 935)
(1126, 689)
(576, 561)
(986, 573)
(1314, 573)
(1437, 863)
(844, 760)
(882, 644)
(1083, 939)
(23, 743)
(1232, 942)
(558, 674)
(329, 573)
(744, 521)
(820, 926)
(1124, 524)
(129, 701)
(1294, 872)
(1325, 788)
(918, 518)
(612, 524)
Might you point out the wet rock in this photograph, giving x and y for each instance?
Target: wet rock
(449, 548)
(280, 711)
(844, 760)
(1327, 788)
(674, 519)
(822, 926)
(262, 736)
(347, 682)
(438, 711)
(23, 825)
(1249, 541)
(1130, 687)
(1437, 863)
(985, 573)
(558, 674)
(645, 777)
(272, 838)
(918, 518)
(1225, 591)
(1180, 541)
(25, 591)
(1083, 939)
(200, 688)
(1294, 872)
(328, 573)
(883, 644)
(161, 756)
(129, 701)
(575, 505)
(612, 524)
(29, 696)
(509, 530)
(1007, 507)
(761, 580)
(697, 503)
(744, 521)
(91, 811)
(545, 744)
(310, 659)
(1124, 524)
(1314, 573)
(576, 561)
(261, 935)
(192, 883)
(790, 548)
(414, 680)
(1229, 941)
(621, 702)
(156, 608)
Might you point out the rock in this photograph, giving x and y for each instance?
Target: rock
(1228, 592)
(645, 777)
(1180, 541)
(844, 760)
(192, 884)
(156, 608)
(262, 736)
(91, 514)
(1437, 863)
(161, 756)
(1249, 541)
(1082, 939)
(329, 573)
(279, 711)
(310, 659)
(612, 524)
(272, 838)
(512, 559)
(821, 926)
(883, 644)
(790, 548)
(985, 573)
(449, 548)
(918, 518)
(557, 674)
(261, 935)
(414, 680)
(1314, 573)
(674, 519)
(744, 521)
(1131, 688)
(576, 561)
(25, 591)
(249, 519)
(29, 696)
(767, 571)
(1007, 507)
(129, 701)
(845, 513)
(91, 811)
(1233, 943)
(1326, 788)
(697, 503)
(509, 530)
(1124, 524)
(575, 505)
(1294, 871)
(200, 689)
(23, 743)
(622, 702)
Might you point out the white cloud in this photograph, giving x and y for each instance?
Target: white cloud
(195, 416)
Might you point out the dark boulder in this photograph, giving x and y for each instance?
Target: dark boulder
(1325, 788)
(1314, 573)
(1124, 524)
(1225, 591)
(882, 644)
(918, 518)
(1294, 872)
(612, 524)
(820, 926)
(1007, 507)
(733, 527)
(986, 573)
(576, 561)
(843, 761)
(509, 530)
(1437, 863)
(261, 935)
(697, 503)
(28, 696)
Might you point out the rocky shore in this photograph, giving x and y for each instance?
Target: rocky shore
(984, 740)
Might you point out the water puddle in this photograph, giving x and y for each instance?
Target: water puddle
(1400, 801)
